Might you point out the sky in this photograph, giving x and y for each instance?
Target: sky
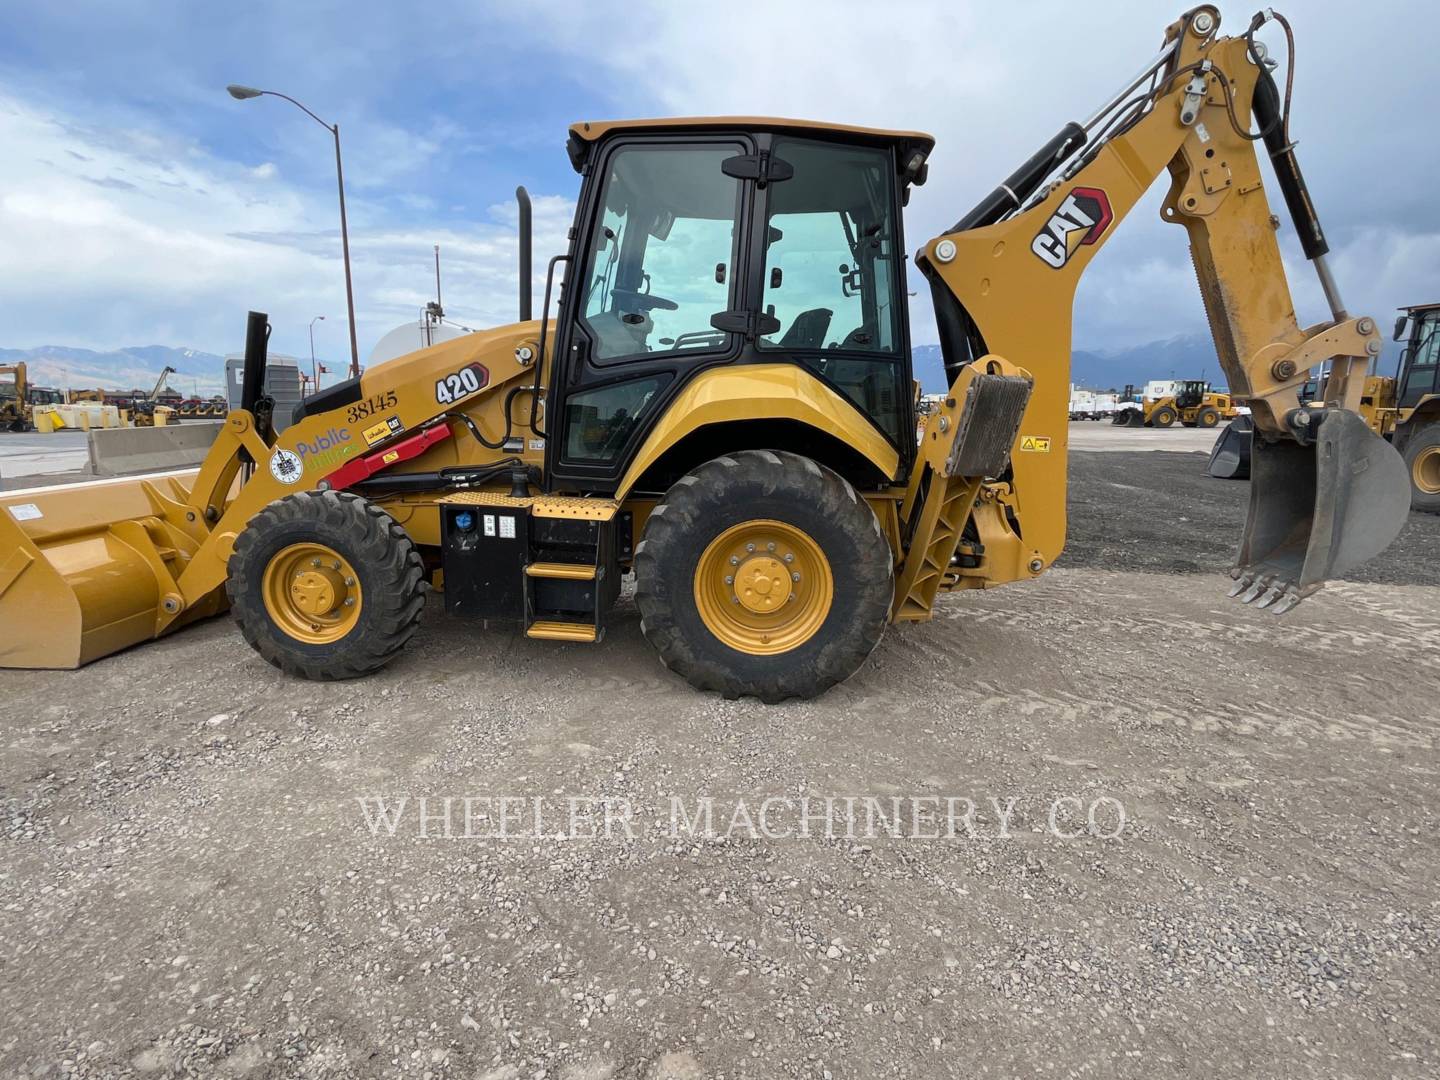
(140, 204)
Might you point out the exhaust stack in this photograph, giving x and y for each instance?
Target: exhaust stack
(523, 198)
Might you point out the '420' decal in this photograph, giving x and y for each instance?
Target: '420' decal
(461, 384)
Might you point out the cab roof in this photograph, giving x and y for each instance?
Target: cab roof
(1421, 307)
(906, 142)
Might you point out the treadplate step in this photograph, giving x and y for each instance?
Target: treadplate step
(560, 570)
(560, 631)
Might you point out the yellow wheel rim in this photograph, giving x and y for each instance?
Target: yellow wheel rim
(1425, 470)
(763, 587)
(312, 593)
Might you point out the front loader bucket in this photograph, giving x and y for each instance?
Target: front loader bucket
(83, 568)
(1317, 511)
(1230, 456)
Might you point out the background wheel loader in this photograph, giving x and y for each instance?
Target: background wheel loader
(1193, 404)
(719, 410)
(1404, 409)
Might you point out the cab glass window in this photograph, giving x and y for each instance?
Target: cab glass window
(831, 277)
(662, 255)
(599, 422)
(830, 253)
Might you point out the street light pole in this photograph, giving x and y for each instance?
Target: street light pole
(242, 93)
(314, 371)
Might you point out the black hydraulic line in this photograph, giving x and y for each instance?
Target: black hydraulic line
(1274, 121)
(1024, 181)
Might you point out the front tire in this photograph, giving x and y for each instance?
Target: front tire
(763, 573)
(1422, 457)
(326, 585)
(1163, 417)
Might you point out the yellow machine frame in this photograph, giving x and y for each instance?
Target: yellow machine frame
(169, 541)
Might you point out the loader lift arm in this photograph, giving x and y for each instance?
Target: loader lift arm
(1326, 494)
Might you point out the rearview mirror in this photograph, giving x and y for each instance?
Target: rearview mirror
(1400, 327)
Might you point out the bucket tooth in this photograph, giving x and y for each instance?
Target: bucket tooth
(1286, 602)
(1242, 581)
(1256, 588)
(1272, 594)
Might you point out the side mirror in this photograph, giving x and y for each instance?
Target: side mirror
(1400, 327)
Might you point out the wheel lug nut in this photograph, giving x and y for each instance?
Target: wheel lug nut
(794, 577)
(734, 560)
(349, 581)
(789, 557)
(729, 580)
(734, 599)
(749, 547)
(770, 547)
(314, 562)
(349, 601)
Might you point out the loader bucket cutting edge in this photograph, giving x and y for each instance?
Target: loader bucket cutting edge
(1317, 511)
(76, 569)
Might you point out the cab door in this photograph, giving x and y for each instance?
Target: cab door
(660, 244)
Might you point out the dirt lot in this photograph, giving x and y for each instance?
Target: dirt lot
(188, 884)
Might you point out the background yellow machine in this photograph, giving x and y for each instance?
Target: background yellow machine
(724, 405)
(1193, 403)
(1404, 409)
(14, 398)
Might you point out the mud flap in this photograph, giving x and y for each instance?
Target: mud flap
(1230, 456)
(1318, 510)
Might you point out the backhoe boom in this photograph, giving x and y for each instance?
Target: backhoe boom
(1004, 283)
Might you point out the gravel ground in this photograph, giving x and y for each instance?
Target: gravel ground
(188, 884)
(1157, 511)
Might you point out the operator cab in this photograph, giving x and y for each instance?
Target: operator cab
(1420, 362)
(1189, 393)
(728, 241)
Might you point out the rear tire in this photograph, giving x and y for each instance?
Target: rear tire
(1208, 417)
(697, 561)
(1164, 416)
(1422, 458)
(326, 548)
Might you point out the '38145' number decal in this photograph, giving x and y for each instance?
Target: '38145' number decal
(460, 384)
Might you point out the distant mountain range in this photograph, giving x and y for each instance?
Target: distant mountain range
(1185, 356)
(131, 368)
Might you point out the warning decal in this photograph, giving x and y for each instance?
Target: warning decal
(1036, 444)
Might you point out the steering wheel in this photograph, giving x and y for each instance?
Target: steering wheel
(643, 301)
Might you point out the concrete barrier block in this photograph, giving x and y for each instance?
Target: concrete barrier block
(121, 451)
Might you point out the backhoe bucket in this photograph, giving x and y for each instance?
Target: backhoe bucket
(87, 569)
(1317, 511)
(1230, 456)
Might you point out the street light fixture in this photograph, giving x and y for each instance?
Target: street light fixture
(244, 93)
(314, 371)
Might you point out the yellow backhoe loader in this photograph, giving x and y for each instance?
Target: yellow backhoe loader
(718, 409)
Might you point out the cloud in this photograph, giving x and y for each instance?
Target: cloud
(119, 236)
(171, 209)
(993, 81)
